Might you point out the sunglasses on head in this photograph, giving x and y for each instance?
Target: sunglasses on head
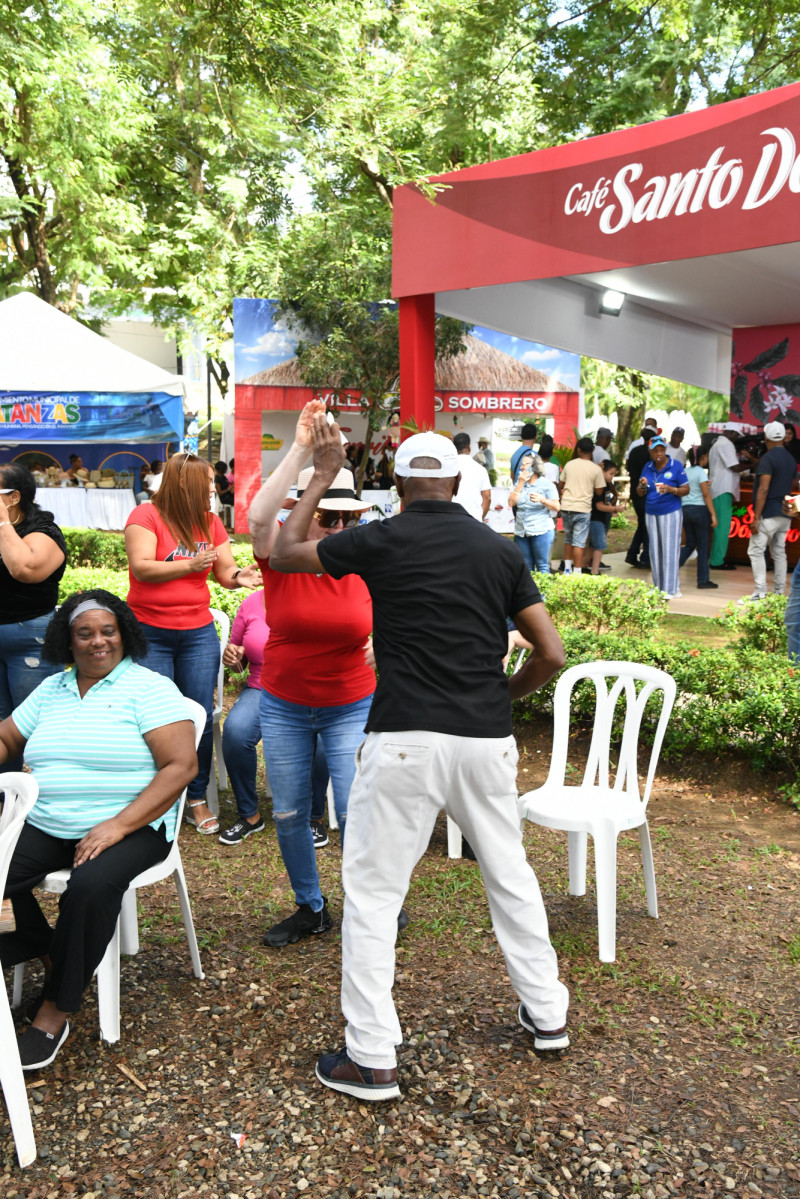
(329, 518)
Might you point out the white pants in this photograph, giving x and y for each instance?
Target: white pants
(402, 782)
(772, 532)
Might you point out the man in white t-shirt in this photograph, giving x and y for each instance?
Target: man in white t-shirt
(475, 488)
(581, 478)
(674, 448)
(724, 469)
(602, 440)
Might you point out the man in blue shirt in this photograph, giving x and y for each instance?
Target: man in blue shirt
(528, 435)
(774, 478)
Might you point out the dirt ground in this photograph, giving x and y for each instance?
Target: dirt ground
(682, 1079)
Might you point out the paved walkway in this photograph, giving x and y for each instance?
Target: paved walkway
(733, 584)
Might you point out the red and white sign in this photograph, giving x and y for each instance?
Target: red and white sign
(488, 403)
(722, 179)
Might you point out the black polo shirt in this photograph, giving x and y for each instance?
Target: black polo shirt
(442, 585)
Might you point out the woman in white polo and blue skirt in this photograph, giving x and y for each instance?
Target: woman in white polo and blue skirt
(663, 481)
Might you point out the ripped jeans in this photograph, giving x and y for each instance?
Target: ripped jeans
(287, 736)
(22, 667)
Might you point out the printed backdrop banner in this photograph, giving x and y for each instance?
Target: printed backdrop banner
(90, 417)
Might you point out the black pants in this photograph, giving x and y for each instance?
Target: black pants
(641, 538)
(697, 527)
(87, 911)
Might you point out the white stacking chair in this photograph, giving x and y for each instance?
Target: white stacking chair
(20, 792)
(126, 934)
(455, 840)
(222, 621)
(596, 805)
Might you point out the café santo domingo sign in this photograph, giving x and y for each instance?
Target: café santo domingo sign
(625, 198)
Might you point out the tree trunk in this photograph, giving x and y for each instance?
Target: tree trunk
(629, 422)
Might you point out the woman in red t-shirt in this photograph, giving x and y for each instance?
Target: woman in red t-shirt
(317, 677)
(172, 544)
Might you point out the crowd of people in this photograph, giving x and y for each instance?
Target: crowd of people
(91, 691)
(683, 501)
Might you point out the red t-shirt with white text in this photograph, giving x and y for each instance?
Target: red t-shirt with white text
(182, 603)
(317, 629)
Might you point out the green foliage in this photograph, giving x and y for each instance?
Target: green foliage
(94, 547)
(758, 624)
(81, 578)
(599, 605)
(562, 454)
(744, 701)
(619, 521)
(85, 578)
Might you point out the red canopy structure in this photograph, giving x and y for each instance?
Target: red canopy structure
(696, 219)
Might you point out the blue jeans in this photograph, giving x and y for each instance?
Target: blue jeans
(21, 666)
(697, 527)
(190, 657)
(241, 733)
(288, 732)
(791, 617)
(536, 550)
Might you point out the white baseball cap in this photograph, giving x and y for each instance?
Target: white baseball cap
(774, 431)
(427, 445)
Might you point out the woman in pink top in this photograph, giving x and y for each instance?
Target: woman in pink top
(241, 731)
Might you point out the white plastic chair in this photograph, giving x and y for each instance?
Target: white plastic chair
(595, 805)
(222, 621)
(20, 792)
(126, 935)
(455, 840)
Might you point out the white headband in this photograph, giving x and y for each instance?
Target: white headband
(88, 606)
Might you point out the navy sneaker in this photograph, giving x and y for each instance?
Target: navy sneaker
(337, 1071)
(243, 828)
(543, 1042)
(305, 922)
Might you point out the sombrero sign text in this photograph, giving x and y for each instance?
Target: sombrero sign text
(498, 404)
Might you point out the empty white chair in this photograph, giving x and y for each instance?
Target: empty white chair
(455, 840)
(222, 621)
(20, 792)
(126, 934)
(596, 805)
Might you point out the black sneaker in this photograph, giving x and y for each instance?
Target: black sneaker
(303, 923)
(319, 834)
(38, 1048)
(237, 832)
(403, 920)
(337, 1071)
(707, 586)
(543, 1042)
(605, 566)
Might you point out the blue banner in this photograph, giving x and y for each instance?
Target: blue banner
(90, 417)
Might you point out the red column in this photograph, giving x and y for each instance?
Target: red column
(247, 444)
(417, 360)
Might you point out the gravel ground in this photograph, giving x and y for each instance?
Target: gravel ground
(682, 1079)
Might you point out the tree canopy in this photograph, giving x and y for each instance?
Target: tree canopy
(166, 156)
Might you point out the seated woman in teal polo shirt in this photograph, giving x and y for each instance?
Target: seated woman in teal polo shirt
(111, 748)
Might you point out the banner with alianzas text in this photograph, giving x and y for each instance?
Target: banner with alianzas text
(90, 417)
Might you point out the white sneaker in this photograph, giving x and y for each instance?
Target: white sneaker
(751, 599)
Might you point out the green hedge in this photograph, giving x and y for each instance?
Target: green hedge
(742, 700)
(93, 547)
(84, 578)
(600, 605)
